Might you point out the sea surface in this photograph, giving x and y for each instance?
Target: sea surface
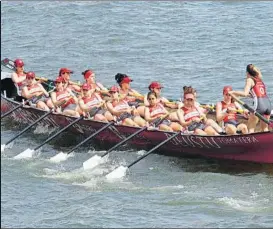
(203, 44)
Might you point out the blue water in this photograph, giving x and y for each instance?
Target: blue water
(203, 44)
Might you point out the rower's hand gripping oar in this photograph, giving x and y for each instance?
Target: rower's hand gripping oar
(252, 111)
(121, 170)
(29, 152)
(96, 160)
(24, 130)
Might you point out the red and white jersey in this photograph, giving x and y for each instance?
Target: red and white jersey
(230, 116)
(189, 114)
(33, 89)
(122, 105)
(258, 90)
(127, 95)
(19, 76)
(62, 95)
(92, 101)
(157, 110)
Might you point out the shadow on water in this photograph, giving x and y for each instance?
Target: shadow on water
(232, 167)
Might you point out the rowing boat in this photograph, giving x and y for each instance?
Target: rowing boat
(256, 147)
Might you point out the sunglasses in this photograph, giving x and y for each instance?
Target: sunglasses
(151, 98)
(30, 78)
(65, 73)
(57, 82)
(227, 95)
(189, 99)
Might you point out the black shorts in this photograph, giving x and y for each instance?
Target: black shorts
(232, 122)
(264, 106)
(196, 125)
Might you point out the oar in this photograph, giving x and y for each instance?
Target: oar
(14, 109)
(121, 170)
(10, 65)
(63, 156)
(96, 160)
(252, 111)
(29, 152)
(24, 130)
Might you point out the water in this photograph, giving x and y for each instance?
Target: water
(203, 44)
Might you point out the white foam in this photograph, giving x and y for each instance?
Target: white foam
(238, 204)
(28, 153)
(94, 161)
(60, 157)
(117, 173)
(141, 152)
(3, 147)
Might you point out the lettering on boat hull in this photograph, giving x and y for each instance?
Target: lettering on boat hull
(195, 141)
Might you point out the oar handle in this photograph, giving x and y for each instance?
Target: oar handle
(153, 149)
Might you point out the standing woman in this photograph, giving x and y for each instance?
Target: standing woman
(19, 77)
(256, 88)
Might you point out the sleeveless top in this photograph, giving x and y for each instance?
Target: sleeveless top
(157, 110)
(189, 114)
(61, 95)
(33, 89)
(122, 105)
(230, 116)
(92, 101)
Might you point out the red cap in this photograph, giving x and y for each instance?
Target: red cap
(88, 73)
(227, 89)
(155, 84)
(126, 80)
(86, 86)
(59, 79)
(114, 89)
(18, 63)
(30, 75)
(189, 96)
(67, 70)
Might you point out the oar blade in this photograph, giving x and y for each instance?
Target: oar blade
(3, 147)
(117, 173)
(60, 157)
(92, 162)
(28, 153)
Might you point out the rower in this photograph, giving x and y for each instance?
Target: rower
(35, 92)
(65, 73)
(192, 117)
(65, 97)
(125, 90)
(19, 77)
(255, 87)
(120, 108)
(155, 109)
(92, 99)
(226, 112)
(89, 76)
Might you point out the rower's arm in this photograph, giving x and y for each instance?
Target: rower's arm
(54, 100)
(220, 114)
(180, 115)
(25, 92)
(249, 84)
(83, 106)
(112, 109)
(147, 115)
(43, 90)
